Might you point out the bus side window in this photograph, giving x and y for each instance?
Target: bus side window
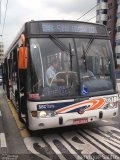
(22, 80)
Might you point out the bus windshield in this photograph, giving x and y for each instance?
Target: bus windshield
(69, 67)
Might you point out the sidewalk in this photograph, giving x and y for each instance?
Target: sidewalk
(11, 142)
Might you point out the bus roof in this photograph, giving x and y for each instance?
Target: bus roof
(31, 28)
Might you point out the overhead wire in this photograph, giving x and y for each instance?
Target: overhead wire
(0, 10)
(7, 7)
(91, 18)
(1, 18)
(4, 18)
(87, 12)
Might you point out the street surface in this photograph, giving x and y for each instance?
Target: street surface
(97, 140)
(86, 141)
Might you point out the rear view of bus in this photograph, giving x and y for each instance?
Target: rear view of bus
(81, 88)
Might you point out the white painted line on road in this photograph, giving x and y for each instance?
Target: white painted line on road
(105, 121)
(0, 114)
(3, 144)
(3, 140)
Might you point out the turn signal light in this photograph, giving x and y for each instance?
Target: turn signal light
(34, 113)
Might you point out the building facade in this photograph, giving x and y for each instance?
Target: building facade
(101, 12)
(117, 36)
(111, 20)
(1, 52)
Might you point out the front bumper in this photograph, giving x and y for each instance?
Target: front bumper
(67, 119)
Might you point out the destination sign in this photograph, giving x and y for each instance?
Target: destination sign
(69, 27)
(66, 27)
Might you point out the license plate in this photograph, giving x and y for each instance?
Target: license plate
(80, 121)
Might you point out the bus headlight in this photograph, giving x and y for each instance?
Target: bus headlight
(46, 114)
(42, 114)
(111, 105)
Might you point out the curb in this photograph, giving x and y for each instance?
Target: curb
(21, 126)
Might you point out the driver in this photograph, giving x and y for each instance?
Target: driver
(50, 76)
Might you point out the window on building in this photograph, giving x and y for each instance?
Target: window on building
(103, 11)
(104, 0)
(118, 55)
(109, 30)
(118, 1)
(118, 29)
(109, 6)
(105, 22)
(98, 1)
(117, 42)
(97, 12)
(109, 17)
(118, 15)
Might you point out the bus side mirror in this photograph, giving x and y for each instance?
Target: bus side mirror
(23, 58)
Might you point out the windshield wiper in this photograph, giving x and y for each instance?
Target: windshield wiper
(63, 47)
(88, 45)
(85, 51)
(60, 44)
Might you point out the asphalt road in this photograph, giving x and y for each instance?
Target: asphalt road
(90, 141)
(96, 140)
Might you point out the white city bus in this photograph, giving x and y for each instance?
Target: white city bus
(84, 96)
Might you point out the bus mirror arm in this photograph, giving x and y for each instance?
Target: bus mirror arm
(23, 58)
